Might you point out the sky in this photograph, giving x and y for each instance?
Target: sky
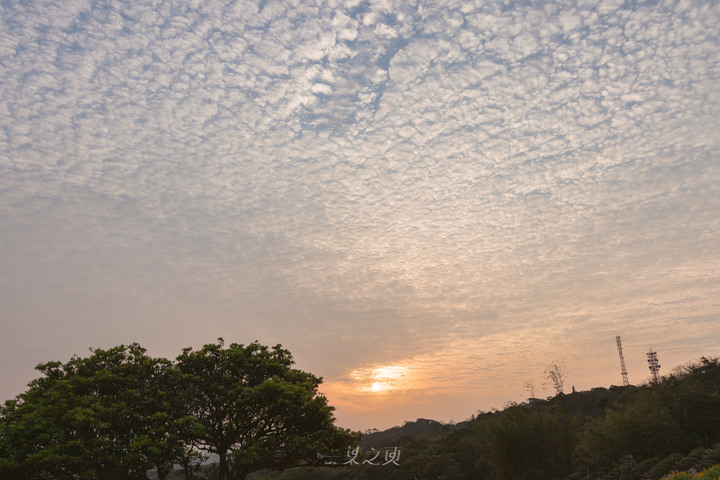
(426, 202)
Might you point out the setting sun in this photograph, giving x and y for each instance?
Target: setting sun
(380, 379)
(386, 378)
(380, 387)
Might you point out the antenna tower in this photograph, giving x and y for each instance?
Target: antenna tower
(622, 362)
(653, 364)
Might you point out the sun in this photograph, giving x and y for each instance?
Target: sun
(386, 378)
(380, 387)
(380, 379)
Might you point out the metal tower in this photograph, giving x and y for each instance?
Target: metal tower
(653, 364)
(622, 362)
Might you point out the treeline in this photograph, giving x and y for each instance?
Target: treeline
(119, 414)
(624, 433)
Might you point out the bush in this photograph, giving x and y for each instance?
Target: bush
(712, 473)
(646, 465)
(662, 468)
(680, 476)
(710, 459)
(691, 460)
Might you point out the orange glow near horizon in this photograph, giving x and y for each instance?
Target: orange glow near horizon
(464, 376)
(380, 379)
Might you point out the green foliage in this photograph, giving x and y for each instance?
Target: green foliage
(615, 433)
(527, 442)
(255, 410)
(691, 459)
(104, 416)
(664, 466)
(624, 468)
(692, 393)
(646, 465)
(119, 413)
(641, 428)
(712, 473)
(711, 458)
(680, 476)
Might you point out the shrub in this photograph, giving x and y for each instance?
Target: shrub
(680, 476)
(710, 459)
(663, 467)
(646, 465)
(712, 473)
(691, 460)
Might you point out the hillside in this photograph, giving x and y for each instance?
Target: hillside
(630, 433)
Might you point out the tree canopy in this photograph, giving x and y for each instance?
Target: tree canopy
(119, 413)
(255, 410)
(104, 416)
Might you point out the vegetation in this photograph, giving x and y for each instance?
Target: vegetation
(622, 433)
(254, 411)
(707, 474)
(119, 413)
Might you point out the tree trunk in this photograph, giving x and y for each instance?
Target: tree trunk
(187, 468)
(162, 472)
(224, 473)
(189, 472)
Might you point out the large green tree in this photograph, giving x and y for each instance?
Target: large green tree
(255, 410)
(118, 413)
(104, 416)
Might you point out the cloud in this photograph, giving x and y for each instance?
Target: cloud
(376, 176)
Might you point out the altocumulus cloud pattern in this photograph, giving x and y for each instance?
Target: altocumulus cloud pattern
(387, 175)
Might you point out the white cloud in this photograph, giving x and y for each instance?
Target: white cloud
(360, 170)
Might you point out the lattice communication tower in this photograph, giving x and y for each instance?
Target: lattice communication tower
(653, 364)
(622, 362)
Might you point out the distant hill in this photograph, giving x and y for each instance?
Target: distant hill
(639, 432)
(420, 428)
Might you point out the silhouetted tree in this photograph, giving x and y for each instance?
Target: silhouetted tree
(555, 376)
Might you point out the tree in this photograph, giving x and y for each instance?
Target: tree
(255, 410)
(105, 416)
(642, 427)
(555, 375)
(692, 394)
(529, 387)
(528, 442)
(119, 413)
